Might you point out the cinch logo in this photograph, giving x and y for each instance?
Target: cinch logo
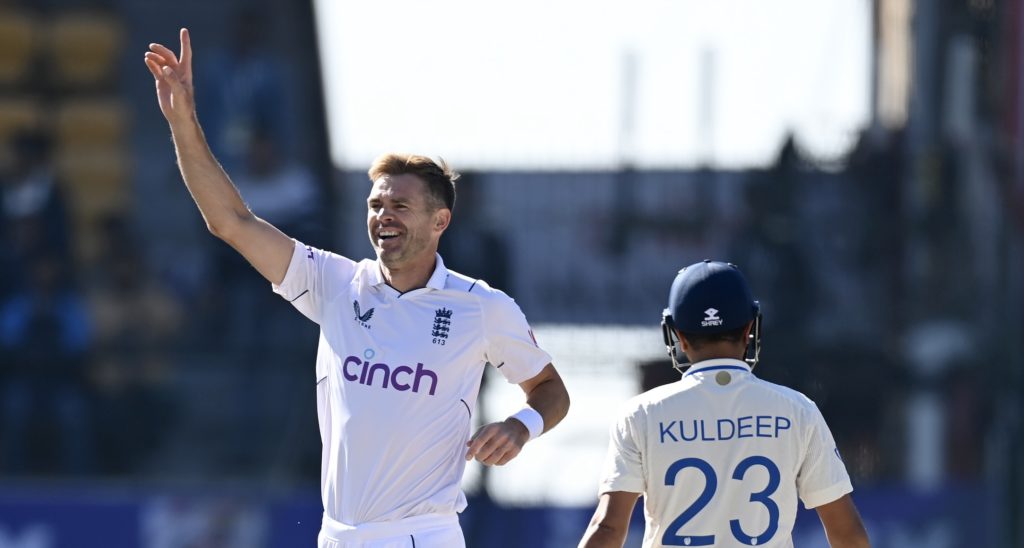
(363, 372)
(711, 318)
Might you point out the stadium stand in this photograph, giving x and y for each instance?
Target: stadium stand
(82, 48)
(18, 38)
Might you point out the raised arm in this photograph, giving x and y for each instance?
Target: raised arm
(226, 215)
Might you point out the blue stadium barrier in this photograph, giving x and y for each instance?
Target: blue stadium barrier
(951, 517)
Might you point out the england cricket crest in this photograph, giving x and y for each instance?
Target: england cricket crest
(442, 325)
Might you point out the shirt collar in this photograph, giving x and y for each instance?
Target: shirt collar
(717, 364)
(436, 281)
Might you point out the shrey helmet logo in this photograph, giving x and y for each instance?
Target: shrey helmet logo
(711, 318)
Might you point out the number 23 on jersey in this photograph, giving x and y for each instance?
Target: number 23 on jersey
(673, 537)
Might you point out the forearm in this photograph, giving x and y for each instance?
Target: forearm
(610, 523)
(217, 198)
(843, 526)
(551, 400)
(600, 536)
(547, 401)
(851, 539)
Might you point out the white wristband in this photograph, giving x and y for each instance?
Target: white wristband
(531, 419)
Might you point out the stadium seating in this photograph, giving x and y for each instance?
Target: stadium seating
(18, 36)
(91, 122)
(17, 113)
(83, 49)
(95, 180)
(93, 164)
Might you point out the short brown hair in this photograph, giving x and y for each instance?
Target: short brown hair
(700, 340)
(439, 178)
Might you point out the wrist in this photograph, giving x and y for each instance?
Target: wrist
(531, 419)
(187, 134)
(184, 124)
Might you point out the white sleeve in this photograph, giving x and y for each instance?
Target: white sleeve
(312, 278)
(623, 466)
(822, 477)
(510, 343)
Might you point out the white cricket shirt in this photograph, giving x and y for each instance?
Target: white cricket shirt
(397, 377)
(721, 457)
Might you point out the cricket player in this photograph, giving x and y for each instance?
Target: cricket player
(403, 341)
(720, 456)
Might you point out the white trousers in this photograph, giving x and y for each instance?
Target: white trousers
(427, 531)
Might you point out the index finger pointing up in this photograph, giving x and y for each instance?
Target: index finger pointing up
(186, 50)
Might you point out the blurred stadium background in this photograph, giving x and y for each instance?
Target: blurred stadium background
(859, 159)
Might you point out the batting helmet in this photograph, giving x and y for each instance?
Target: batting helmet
(710, 297)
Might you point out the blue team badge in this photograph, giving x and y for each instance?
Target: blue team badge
(362, 318)
(442, 326)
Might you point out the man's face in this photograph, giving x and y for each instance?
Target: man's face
(403, 223)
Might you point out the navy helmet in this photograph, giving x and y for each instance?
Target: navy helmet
(710, 297)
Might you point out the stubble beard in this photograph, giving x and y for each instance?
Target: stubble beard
(398, 258)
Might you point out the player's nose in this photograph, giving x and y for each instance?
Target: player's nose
(385, 214)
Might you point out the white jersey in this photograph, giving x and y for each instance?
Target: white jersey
(397, 377)
(721, 457)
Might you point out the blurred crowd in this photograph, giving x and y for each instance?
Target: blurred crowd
(83, 327)
(92, 338)
(115, 359)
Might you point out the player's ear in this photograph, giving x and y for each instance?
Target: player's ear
(747, 330)
(683, 344)
(442, 218)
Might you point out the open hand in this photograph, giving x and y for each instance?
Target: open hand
(498, 442)
(173, 79)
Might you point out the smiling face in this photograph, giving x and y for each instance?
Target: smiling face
(403, 222)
